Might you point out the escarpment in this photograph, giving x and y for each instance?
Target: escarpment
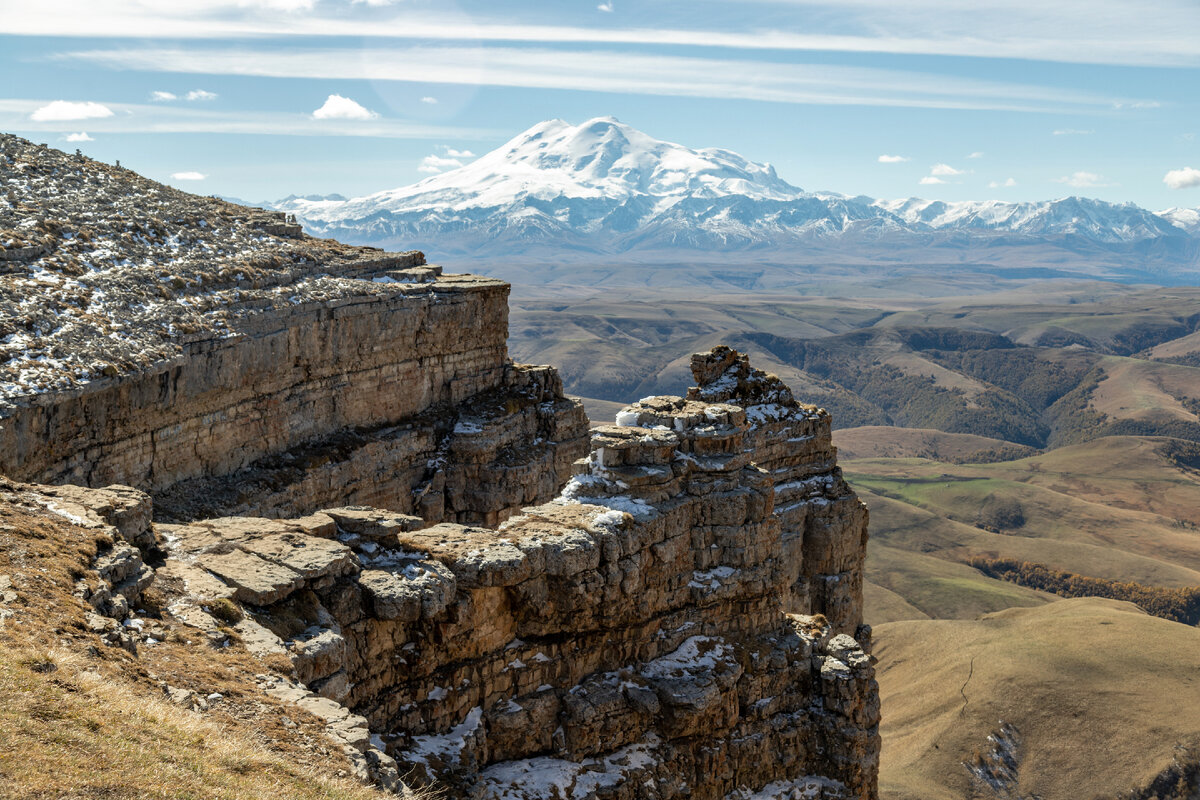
(351, 480)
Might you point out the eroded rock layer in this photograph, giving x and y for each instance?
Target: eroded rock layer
(652, 633)
(401, 396)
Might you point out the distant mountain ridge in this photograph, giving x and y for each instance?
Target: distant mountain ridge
(605, 188)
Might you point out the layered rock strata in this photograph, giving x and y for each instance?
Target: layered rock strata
(401, 397)
(651, 633)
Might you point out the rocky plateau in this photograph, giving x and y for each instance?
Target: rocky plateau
(324, 455)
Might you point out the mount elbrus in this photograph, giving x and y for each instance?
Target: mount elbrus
(331, 444)
(605, 189)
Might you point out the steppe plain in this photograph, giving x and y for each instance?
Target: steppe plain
(993, 412)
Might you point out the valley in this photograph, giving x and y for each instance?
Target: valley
(1048, 423)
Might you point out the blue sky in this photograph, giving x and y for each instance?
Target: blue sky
(1007, 99)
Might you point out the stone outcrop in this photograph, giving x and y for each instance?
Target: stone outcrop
(665, 628)
(401, 398)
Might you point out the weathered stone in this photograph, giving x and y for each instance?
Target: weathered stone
(308, 555)
(255, 580)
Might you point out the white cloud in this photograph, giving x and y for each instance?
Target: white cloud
(604, 71)
(372, 3)
(1072, 132)
(65, 110)
(338, 107)
(1186, 178)
(1137, 104)
(944, 170)
(929, 180)
(200, 94)
(78, 137)
(188, 176)
(1083, 180)
(163, 97)
(435, 164)
(151, 118)
(429, 101)
(452, 153)
(886, 159)
(607, 7)
(1002, 184)
(976, 154)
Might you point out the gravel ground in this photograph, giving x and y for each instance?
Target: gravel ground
(105, 272)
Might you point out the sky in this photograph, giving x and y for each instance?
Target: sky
(979, 99)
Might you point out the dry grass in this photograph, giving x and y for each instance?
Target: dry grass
(81, 719)
(1101, 692)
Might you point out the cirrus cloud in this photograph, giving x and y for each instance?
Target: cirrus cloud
(886, 159)
(66, 110)
(1186, 178)
(338, 107)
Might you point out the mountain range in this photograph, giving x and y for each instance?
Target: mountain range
(605, 189)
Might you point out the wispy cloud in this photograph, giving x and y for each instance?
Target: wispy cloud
(188, 176)
(1186, 178)
(1083, 180)
(434, 164)
(163, 97)
(944, 170)
(929, 180)
(67, 111)
(1072, 132)
(976, 154)
(607, 7)
(429, 101)
(886, 159)
(604, 71)
(200, 94)
(1077, 31)
(78, 137)
(452, 153)
(338, 107)
(1002, 184)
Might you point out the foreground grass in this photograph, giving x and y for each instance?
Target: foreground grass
(68, 730)
(80, 719)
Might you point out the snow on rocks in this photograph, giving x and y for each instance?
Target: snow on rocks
(104, 272)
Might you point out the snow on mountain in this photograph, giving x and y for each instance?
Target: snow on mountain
(1186, 218)
(604, 187)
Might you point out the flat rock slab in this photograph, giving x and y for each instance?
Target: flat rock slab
(255, 580)
(192, 581)
(312, 557)
(373, 523)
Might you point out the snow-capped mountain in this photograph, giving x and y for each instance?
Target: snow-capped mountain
(605, 188)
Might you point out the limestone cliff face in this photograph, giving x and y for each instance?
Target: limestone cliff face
(682, 621)
(400, 395)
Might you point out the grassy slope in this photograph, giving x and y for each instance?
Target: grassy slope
(80, 719)
(883, 441)
(1100, 692)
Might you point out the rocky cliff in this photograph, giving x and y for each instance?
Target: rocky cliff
(212, 355)
(351, 480)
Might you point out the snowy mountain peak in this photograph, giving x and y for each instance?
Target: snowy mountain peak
(605, 187)
(608, 158)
